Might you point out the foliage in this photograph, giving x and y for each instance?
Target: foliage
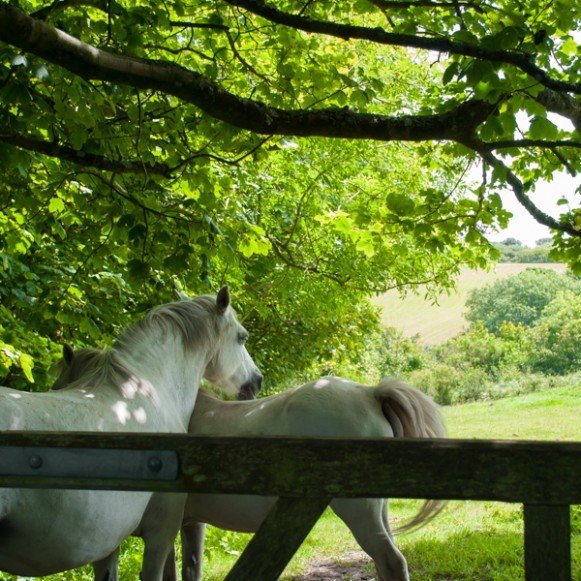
(215, 164)
(518, 299)
(86, 254)
(556, 338)
(301, 256)
(481, 365)
(398, 354)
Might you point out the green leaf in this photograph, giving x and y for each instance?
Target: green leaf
(137, 269)
(365, 244)
(450, 73)
(400, 204)
(56, 205)
(492, 128)
(26, 364)
(254, 242)
(542, 128)
(137, 233)
(570, 47)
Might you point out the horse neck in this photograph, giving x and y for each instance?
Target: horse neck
(170, 376)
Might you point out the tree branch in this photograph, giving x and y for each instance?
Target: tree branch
(89, 62)
(206, 25)
(221, 159)
(181, 216)
(57, 5)
(84, 159)
(508, 143)
(562, 104)
(79, 157)
(285, 256)
(520, 60)
(519, 190)
(407, 4)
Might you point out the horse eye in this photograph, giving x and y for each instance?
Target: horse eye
(242, 338)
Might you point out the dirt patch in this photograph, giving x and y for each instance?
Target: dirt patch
(354, 566)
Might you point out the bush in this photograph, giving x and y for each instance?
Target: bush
(398, 354)
(557, 336)
(447, 384)
(481, 365)
(510, 359)
(439, 381)
(496, 355)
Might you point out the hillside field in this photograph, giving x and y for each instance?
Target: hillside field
(435, 323)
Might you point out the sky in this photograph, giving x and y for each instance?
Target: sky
(522, 225)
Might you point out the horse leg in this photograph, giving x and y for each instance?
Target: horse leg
(192, 550)
(365, 518)
(106, 569)
(169, 570)
(158, 528)
(384, 517)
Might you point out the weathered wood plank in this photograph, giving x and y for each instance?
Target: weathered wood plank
(547, 543)
(531, 472)
(278, 539)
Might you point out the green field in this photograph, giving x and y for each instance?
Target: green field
(435, 323)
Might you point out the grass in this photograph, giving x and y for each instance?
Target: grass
(546, 415)
(437, 323)
(479, 541)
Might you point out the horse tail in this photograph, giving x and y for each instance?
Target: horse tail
(412, 414)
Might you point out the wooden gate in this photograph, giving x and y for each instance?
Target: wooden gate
(307, 473)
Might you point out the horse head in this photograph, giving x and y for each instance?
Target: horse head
(231, 367)
(229, 364)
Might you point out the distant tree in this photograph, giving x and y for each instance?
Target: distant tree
(399, 354)
(513, 242)
(518, 299)
(543, 242)
(512, 250)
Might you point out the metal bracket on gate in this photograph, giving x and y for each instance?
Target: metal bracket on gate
(89, 463)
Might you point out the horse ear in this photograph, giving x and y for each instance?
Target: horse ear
(223, 300)
(180, 295)
(68, 354)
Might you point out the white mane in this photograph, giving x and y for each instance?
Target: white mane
(194, 322)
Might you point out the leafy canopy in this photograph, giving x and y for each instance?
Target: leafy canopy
(307, 153)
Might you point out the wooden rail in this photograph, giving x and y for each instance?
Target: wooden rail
(307, 473)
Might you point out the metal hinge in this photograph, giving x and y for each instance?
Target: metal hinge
(89, 463)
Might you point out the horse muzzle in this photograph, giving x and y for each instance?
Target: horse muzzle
(250, 389)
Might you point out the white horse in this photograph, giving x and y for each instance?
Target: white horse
(148, 382)
(328, 407)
